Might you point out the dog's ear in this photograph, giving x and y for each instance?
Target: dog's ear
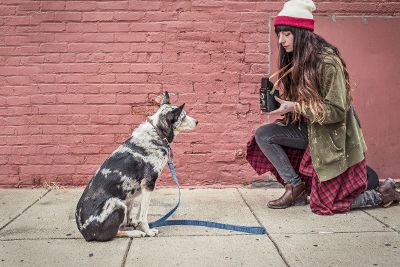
(165, 99)
(177, 112)
(173, 116)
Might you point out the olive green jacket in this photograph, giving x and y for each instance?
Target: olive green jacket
(336, 143)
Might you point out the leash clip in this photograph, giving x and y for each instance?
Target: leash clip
(170, 155)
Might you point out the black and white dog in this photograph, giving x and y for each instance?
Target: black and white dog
(132, 169)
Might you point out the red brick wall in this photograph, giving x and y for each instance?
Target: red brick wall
(77, 76)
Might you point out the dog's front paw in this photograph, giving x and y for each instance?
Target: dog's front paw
(134, 223)
(136, 234)
(152, 232)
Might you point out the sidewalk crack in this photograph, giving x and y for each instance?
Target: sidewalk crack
(13, 219)
(126, 253)
(260, 223)
(382, 222)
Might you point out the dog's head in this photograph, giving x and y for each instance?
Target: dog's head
(171, 120)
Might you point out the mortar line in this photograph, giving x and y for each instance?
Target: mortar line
(13, 219)
(382, 222)
(268, 235)
(126, 253)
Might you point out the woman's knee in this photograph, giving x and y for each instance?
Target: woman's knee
(264, 133)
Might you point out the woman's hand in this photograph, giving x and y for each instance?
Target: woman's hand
(286, 106)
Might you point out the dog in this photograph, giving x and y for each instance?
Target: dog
(131, 170)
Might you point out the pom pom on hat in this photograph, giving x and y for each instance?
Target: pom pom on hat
(297, 13)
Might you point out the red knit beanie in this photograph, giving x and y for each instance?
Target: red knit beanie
(297, 13)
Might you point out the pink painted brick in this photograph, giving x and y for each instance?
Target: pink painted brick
(241, 6)
(97, 16)
(52, 27)
(17, 21)
(147, 47)
(128, 16)
(112, 5)
(82, 109)
(255, 16)
(81, 27)
(18, 100)
(68, 16)
(146, 68)
(43, 99)
(100, 99)
(81, 5)
(65, 159)
(9, 169)
(70, 99)
(47, 169)
(15, 40)
(114, 88)
(132, 99)
(53, 5)
(7, 180)
(130, 37)
(146, 27)
(114, 109)
(99, 139)
(113, 27)
(144, 5)
(7, 10)
(112, 67)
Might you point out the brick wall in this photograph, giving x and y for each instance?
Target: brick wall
(77, 76)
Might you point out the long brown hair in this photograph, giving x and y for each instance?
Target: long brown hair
(304, 82)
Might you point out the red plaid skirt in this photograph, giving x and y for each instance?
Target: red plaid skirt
(326, 198)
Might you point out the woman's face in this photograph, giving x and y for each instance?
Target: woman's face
(285, 38)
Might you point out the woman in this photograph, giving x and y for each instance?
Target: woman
(318, 148)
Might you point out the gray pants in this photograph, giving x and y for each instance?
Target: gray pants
(369, 198)
(271, 137)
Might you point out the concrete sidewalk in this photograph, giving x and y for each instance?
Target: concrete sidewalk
(37, 228)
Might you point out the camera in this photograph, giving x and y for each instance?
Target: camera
(268, 102)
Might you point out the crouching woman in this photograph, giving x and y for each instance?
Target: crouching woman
(318, 148)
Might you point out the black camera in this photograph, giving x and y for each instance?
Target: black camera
(268, 102)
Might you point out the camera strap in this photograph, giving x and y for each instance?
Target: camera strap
(278, 72)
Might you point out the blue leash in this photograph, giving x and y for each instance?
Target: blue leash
(163, 221)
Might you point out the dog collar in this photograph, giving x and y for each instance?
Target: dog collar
(159, 133)
(164, 139)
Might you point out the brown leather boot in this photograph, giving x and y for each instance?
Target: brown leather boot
(292, 193)
(388, 194)
(392, 184)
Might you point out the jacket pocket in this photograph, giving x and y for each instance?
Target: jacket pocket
(335, 144)
(328, 144)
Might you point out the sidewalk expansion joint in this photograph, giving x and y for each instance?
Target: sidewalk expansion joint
(39, 239)
(333, 233)
(260, 223)
(382, 222)
(158, 237)
(13, 219)
(126, 253)
(201, 235)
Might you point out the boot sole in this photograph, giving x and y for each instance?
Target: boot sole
(278, 207)
(387, 205)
